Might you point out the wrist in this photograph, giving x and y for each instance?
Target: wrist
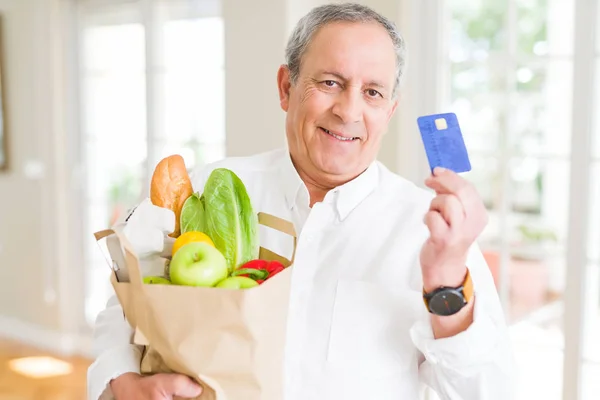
(122, 381)
(450, 276)
(451, 325)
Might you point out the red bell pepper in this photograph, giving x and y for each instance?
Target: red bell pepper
(259, 270)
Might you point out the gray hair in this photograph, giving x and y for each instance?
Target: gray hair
(348, 12)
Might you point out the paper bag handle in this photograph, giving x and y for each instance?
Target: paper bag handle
(131, 260)
(280, 225)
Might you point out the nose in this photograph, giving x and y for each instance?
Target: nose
(349, 106)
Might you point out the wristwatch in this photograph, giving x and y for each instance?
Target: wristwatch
(447, 301)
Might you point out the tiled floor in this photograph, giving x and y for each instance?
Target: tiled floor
(14, 386)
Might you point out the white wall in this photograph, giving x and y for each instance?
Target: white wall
(254, 44)
(33, 242)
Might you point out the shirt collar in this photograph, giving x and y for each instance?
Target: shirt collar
(291, 182)
(352, 193)
(345, 197)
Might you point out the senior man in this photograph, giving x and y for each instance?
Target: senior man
(389, 289)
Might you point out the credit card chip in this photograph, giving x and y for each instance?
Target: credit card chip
(441, 124)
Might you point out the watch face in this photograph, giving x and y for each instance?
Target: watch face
(446, 302)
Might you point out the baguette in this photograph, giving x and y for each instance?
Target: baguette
(170, 187)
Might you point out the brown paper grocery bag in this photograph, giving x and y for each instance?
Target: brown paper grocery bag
(230, 341)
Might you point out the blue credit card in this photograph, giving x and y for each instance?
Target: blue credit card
(444, 143)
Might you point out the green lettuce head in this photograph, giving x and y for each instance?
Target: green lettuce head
(224, 212)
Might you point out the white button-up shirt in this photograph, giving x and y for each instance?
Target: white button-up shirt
(357, 327)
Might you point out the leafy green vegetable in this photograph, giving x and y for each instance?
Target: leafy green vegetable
(229, 219)
(193, 214)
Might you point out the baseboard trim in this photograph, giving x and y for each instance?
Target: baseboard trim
(42, 338)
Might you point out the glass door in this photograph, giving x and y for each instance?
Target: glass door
(151, 80)
(524, 80)
(114, 144)
(510, 68)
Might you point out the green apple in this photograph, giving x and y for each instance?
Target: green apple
(237, 282)
(156, 280)
(198, 264)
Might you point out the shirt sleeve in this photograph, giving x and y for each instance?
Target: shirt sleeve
(115, 353)
(477, 363)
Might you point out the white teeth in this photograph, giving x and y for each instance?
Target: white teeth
(344, 139)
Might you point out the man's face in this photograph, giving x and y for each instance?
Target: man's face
(340, 106)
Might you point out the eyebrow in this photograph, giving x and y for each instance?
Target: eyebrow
(343, 78)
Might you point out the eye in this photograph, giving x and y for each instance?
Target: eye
(373, 93)
(330, 83)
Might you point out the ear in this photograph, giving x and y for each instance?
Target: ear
(393, 108)
(284, 85)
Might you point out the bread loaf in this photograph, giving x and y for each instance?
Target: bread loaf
(170, 187)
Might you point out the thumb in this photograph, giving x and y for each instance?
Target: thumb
(181, 386)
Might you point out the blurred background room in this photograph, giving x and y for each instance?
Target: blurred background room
(95, 92)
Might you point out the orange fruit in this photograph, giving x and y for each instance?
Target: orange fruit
(190, 237)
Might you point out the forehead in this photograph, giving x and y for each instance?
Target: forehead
(361, 51)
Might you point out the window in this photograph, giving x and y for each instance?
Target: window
(511, 84)
(510, 68)
(152, 84)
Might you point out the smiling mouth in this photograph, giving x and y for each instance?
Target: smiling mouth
(338, 137)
